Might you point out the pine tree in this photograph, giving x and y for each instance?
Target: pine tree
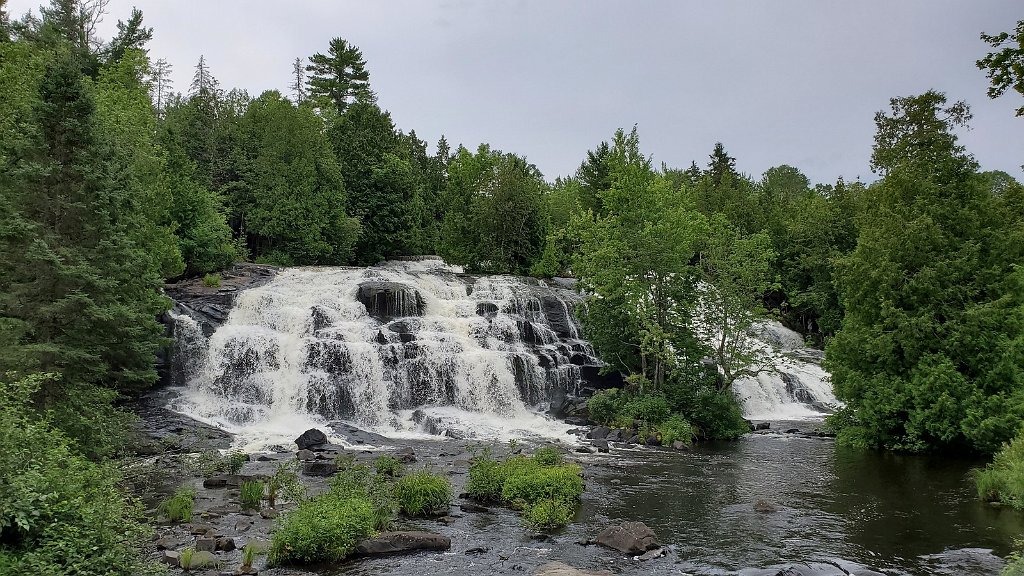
(340, 76)
(721, 164)
(131, 35)
(161, 85)
(203, 83)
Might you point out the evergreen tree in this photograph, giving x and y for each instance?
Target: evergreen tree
(721, 165)
(298, 85)
(161, 85)
(131, 35)
(928, 356)
(340, 76)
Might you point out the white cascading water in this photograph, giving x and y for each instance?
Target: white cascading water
(400, 348)
(410, 348)
(797, 389)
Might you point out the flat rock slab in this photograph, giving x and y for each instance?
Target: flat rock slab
(402, 542)
(560, 569)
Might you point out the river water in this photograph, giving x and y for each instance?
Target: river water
(837, 512)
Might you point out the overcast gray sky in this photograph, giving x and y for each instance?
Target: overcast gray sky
(778, 82)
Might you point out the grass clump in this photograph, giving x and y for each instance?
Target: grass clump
(285, 482)
(178, 508)
(1002, 481)
(252, 494)
(546, 490)
(212, 280)
(423, 493)
(675, 428)
(388, 465)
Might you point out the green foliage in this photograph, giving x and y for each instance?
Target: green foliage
(548, 456)
(1005, 66)
(248, 555)
(548, 514)
(388, 465)
(285, 481)
(251, 495)
(423, 493)
(603, 407)
(496, 218)
(546, 490)
(929, 354)
(339, 77)
(713, 414)
(212, 280)
(178, 508)
(324, 528)
(1015, 561)
(60, 514)
(1003, 480)
(675, 428)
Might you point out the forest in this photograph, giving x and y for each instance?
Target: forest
(112, 183)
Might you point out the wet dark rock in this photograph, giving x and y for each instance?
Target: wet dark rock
(680, 445)
(599, 433)
(390, 299)
(628, 538)
(320, 468)
(765, 507)
(206, 545)
(305, 455)
(226, 544)
(583, 450)
(652, 440)
(215, 482)
(634, 439)
(487, 309)
(615, 435)
(199, 529)
(400, 542)
(793, 431)
(473, 507)
(309, 438)
(405, 455)
(170, 557)
(478, 550)
(762, 426)
(601, 445)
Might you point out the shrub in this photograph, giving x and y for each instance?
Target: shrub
(178, 508)
(60, 513)
(548, 456)
(252, 494)
(211, 280)
(423, 493)
(546, 493)
(603, 407)
(388, 465)
(1003, 480)
(322, 529)
(526, 485)
(675, 428)
(714, 414)
(235, 461)
(548, 514)
(285, 481)
(649, 408)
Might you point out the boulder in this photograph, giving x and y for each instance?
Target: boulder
(599, 433)
(167, 543)
(200, 559)
(680, 445)
(390, 300)
(652, 440)
(401, 542)
(320, 468)
(762, 426)
(628, 538)
(310, 437)
(601, 445)
(305, 455)
(765, 507)
(218, 481)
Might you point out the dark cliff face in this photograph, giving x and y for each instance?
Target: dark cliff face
(210, 306)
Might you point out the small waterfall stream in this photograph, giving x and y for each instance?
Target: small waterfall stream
(416, 347)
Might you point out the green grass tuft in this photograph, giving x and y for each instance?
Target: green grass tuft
(423, 493)
(178, 508)
(252, 494)
(388, 465)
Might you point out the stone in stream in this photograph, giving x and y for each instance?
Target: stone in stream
(206, 544)
(599, 433)
(628, 538)
(601, 445)
(305, 454)
(320, 468)
(652, 554)
(680, 445)
(226, 544)
(310, 437)
(765, 507)
(405, 455)
(473, 507)
(169, 557)
(560, 569)
(399, 542)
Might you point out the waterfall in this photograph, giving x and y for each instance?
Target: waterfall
(797, 389)
(399, 348)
